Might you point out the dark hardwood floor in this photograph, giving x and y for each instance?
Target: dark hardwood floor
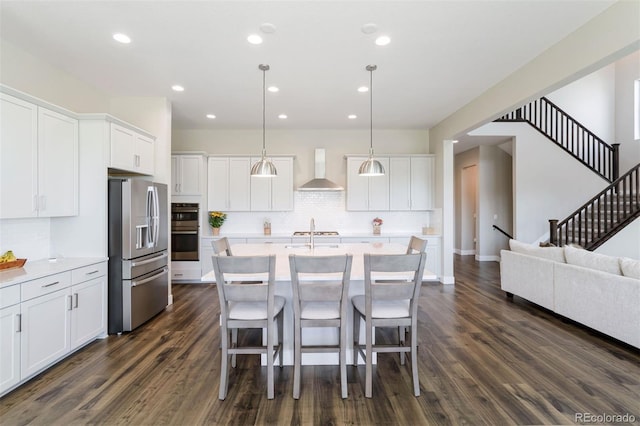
(483, 360)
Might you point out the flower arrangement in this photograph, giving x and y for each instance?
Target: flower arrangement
(377, 221)
(216, 219)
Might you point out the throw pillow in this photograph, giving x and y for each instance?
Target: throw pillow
(588, 259)
(551, 253)
(630, 267)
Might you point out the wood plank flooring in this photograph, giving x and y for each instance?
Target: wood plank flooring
(482, 360)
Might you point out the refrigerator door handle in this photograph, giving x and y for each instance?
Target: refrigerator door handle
(146, 261)
(146, 280)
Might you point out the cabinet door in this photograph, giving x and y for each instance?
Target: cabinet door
(379, 188)
(239, 184)
(122, 147)
(261, 189)
(433, 259)
(10, 344)
(89, 314)
(57, 164)
(190, 175)
(218, 183)
(422, 177)
(144, 155)
(18, 158)
(282, 185)
(400, 183)
(357, 186)
(45, 331)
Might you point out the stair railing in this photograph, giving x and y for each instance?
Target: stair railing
(502, 231)
(601, 217)
(570, 135)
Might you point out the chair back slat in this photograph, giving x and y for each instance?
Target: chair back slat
(309, 277)
(238, 291)
(318, 291)
(221, 247)
(416, 245)
(387, 290)
(393, 290)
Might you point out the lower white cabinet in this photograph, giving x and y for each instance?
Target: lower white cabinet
(185, 271)
(56, 315)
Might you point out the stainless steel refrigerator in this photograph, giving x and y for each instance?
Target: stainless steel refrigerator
(138, 257)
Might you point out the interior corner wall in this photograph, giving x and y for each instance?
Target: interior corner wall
(463, 160)
(494, 201)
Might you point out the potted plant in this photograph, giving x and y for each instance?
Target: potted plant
(216, 219)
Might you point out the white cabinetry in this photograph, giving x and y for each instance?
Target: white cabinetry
(228, 186)
(50, 317)
(38, 161)
(367, 193)
(186, 174)
(411, 182)
(131, 150)
(185, 271)
(276, 193)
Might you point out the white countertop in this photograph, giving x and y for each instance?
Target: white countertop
(282, 252)
(42, 268)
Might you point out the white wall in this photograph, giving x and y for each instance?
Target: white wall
(627, 71)
(625, 243)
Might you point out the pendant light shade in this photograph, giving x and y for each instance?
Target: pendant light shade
(264, 167)
(371, 167)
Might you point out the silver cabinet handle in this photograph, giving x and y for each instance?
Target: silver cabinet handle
(146, 280)
(92, 272)
(19, 323)
(70, 303)
(75, 296)
(51, 284)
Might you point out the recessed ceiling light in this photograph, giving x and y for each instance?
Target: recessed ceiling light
(122, 38)
(454, 141)
(211, 116)
(369, 28)
(254, 39)
(177, 88)
(352, 116)
(282, 116)
(268, 28)
(273, 89)
(383, 41)
(363, 89)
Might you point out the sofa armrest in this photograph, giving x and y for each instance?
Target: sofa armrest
(605, 302)
(527, 276)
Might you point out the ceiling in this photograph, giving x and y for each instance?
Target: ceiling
(442, 54)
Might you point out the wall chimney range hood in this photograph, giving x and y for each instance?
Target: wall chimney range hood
(320, 183)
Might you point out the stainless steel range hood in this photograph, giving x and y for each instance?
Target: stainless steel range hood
(320, 183)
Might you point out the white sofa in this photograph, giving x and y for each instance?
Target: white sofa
(601, 292)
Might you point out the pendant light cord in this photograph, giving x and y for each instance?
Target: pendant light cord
(264, 79)
(370, 111)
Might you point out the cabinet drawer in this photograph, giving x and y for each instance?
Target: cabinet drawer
(88, 272)
(9, 296)
(45, 285)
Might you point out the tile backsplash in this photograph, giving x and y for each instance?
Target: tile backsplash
(27, 238)
(328, 210)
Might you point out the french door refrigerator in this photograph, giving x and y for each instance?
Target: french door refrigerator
(138, 258)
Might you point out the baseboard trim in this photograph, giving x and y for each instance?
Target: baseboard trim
(464, 252)
(488, 258)
(448, 280)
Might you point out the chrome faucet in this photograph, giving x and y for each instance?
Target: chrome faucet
(312, 231)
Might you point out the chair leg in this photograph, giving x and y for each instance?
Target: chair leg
(234, 344)
(414, 360)
(343, 359)
(356, 335)
(369, 362)
(270, 331)
(401, 338)
(281, 336)
(297, 358)
(224, 360)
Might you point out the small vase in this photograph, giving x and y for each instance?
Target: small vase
(376, 229)
(215, 231)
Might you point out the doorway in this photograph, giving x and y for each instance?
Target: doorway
(468, 210)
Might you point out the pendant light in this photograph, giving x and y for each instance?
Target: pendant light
(371, 167)
(264, 167)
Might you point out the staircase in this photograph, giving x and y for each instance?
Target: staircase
(606, 213)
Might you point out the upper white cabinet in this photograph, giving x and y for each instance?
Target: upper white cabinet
(410, 183)
(275, 193)
(367, 193)
(39, 161)
(186, 174)
(131, 150)
(228, 186)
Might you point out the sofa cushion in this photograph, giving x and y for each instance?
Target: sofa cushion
(630, 267)
(551, 253)
(590, 260)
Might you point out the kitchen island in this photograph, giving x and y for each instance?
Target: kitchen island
(283, 288)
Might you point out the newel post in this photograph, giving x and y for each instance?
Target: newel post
(553, 231)
(615, 167)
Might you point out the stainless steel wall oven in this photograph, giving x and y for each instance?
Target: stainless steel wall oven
(185, 231)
